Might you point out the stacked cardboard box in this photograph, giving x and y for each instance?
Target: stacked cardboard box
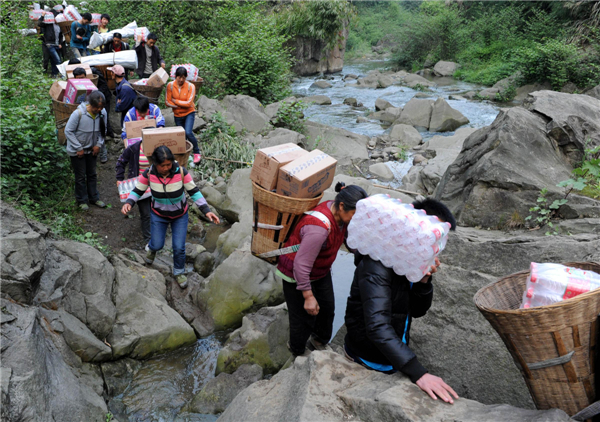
(77, 90)
(307, 176)
(268, 161)
(71, 67)
(133, 130)
(172, 137)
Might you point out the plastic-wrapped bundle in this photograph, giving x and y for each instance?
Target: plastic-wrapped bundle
(401, 237)
(142, 82)
(126, 186)
(550, 283)
(141, 35)
(127, 59)
(97, 39)
(192, 71)
(71, 13)
(60, 18)
(26, 32)
(36, 14)
(49, 18)
(96, 19)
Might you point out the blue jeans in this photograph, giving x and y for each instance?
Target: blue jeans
(179, 230)
(187, 122)
(54, 58)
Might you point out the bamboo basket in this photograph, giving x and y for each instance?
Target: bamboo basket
(109, 76)
(279, 211)
(150, 92)
(94, 79)
(553, 346)
(198, 84)
(183, 158)
(62, 112)
(65, 28)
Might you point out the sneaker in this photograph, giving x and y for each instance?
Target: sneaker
(197, 158)
(99, 204)
(84, 207)
(149, 258)
(181, 280)
(104, 160)
(314, 344)
(305, 354)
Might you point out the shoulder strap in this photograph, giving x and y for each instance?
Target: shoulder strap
(321, 217)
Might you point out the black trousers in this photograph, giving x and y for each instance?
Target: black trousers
(302, 325)
(145, 210)
(86, 189)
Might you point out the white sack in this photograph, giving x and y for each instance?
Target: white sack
(98, 39)
(127, 59)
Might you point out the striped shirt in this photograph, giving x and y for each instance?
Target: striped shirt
(143, 162)
(168, 193)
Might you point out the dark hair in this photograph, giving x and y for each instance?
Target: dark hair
(434, 207)
(348, 195)
(54, 12)
(162, 154)
(181, 71)
(117, 35)
(80, 31)
(105, 15)
(87, 16)
(74, 61)
(95, 99)
(152, 36)
(141, 104)
(78, 71)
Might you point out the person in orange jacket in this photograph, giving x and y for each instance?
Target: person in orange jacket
(180, 97)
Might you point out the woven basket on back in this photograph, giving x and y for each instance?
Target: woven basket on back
(109, 76)
(198, 84)
(65, 28)
(62, 112)
(183, 158)
(150, 92)
(94, 79)
(553, 346)
(275, 210)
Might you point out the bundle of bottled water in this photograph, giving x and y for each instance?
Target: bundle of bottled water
(126, 186)
(398, 235)
(550, 283)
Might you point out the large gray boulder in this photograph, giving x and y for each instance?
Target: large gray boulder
(146, 325)
(220, 391)
(367, 185)
(247, 113)
(262, 340)
(453, 340)
(443, 68)
(414, 80)
(280, 136)
(524, 91)
(23, 254)
(208, 106)
(573, 121)
(40, 384)
(388, 115)
(381, 104)
(345, 146)
(82, 341)
(405, 134)
(382, 172)
(416, 113)
(327, 387)
(238, 197)
(317, 99)
(594, 92)
(501, 170)
(321, 85)
(242, 283)
(444, 118)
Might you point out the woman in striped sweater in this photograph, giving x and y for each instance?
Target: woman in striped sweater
(167, 181)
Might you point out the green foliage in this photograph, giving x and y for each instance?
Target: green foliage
(290, 115)
(507, 94)
(223, 151)
(318, 19)
(586, 177)
(545, 211)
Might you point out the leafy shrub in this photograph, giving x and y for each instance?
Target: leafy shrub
(290, 115)
(554, 61)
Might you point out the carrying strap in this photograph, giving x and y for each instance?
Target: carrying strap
(293, 248)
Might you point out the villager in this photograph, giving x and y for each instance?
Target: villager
(102, 29)
(115, 45)
(143, 109)
(167, 181)
(81, 39)
(148, 56)
(306, 274)
(126, 95)
(85, 132)
(180, 97)
(379, 313)
(52, 39)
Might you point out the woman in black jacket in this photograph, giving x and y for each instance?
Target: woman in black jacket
(380, 311)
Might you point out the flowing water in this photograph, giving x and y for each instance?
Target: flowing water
(163, 386)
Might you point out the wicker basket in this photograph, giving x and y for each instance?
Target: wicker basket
(62, 112)
(150, 92)
(109, 76)
(553, 346)
(183, 158)
(94, 79)
(275, 210)
(65, 28)
(198, 84)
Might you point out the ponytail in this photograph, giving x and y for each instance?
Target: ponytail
(348, 195)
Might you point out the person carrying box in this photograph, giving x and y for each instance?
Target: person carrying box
(80, 41)
(180, 97)
(126, 95)
(379, 313)
(142, 109)
(52, 39)
(148, 56)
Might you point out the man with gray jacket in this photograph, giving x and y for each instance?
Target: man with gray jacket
(85, 132)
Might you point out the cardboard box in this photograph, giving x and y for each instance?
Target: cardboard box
(71, 67)
(268, 161)
(307, 176)
(57, 90)
(158, 78)
(134, 129)
(172, 137)
(77, 90)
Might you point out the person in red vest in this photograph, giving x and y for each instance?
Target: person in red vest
(306, 274)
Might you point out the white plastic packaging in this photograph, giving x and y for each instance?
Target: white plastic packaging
(97, 39)
(192, 71)
(141, 35)
(95, 19)
(71, 13)
(401, 237)
(550, 283)
(126, 186)
(60, 18)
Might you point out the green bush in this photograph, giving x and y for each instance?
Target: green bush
(554, 61)
(291, 116)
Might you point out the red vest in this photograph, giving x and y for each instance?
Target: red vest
(328, 253)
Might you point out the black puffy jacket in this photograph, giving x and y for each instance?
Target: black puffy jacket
(379, 313)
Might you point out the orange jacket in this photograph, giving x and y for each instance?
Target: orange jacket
(181, 99)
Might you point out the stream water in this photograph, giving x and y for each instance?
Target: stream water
(164, 385)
